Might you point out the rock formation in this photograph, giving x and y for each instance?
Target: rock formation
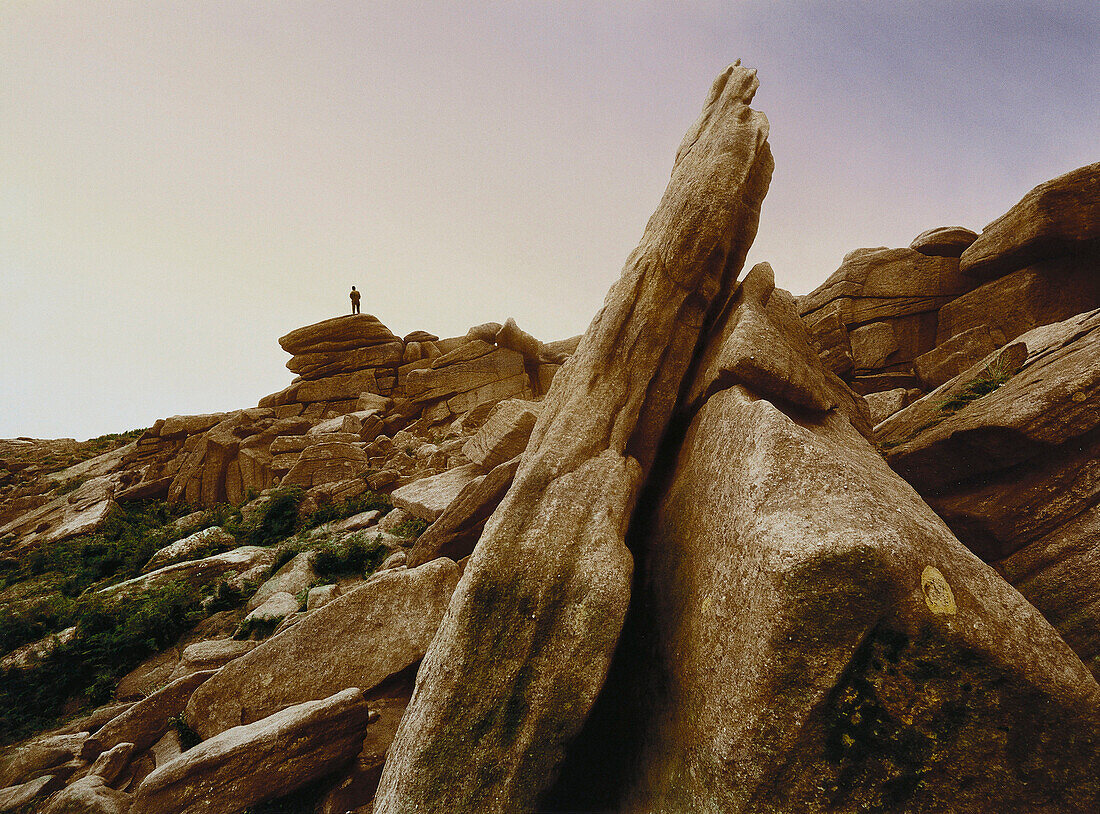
(545, 594)
(730, 550)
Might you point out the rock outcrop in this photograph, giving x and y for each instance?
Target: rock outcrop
(811, 636)
(546, 591)
(916, 318)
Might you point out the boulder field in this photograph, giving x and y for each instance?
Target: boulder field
(730, 550)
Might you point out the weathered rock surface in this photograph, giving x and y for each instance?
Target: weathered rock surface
(110, 764)
(1058, 217)
(233, 563)
(824, 642)
(545, 593)
(145, 722)
(357, 788)
(356, 640)
(1014, 472)
(12, 798)
(246, 765)
(89, 795)
(339, 333)
(192, 547)
(294, 577)
(455, 532)
(504, 434)
(428, 498)
(25, 762)
(944, 241)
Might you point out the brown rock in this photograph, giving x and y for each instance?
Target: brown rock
(311, 366)
(444, 381)
(528, 638)
(146, 721)
(199, 572)
(358, 787)
(294, 577)
(109, 764)
(1058, 217)
(1045, 292)
(338, 333)
(872, 345)
(486, 332)
(456, 531)
(209, 655)
(877, 284)
(885, 403)
(814, 621)
(192, 547)
(429, 497)
(944, 241)
(13, 798)
(356, 640)
(326, 462)
(504, 434)
(25, 762)
(338, 387)
(89, 795)
(959, 353)
(246, 765)
(421, 336)
(1036, 408)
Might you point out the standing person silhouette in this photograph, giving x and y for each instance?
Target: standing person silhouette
(354, 300)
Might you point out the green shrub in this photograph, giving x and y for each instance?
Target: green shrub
(27, 622)
(275, 520)
(189, 738)
(340, 509)
(128, 537)
(353, 555)
(113, 635)
(411, 529)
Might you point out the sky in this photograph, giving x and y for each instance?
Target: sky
(181, 183)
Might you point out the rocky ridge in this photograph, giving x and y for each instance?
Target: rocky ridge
(731, 550)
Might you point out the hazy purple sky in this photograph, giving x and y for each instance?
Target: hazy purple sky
(182, 183)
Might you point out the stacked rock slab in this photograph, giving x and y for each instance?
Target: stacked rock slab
(907, 324)
(1006, 454)
(810, 636)
(529, 635)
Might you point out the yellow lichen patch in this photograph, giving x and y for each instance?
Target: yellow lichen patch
(937, 593)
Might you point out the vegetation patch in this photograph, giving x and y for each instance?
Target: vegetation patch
(341, 509)
(411, 529)
(355, 554)
(113, 635)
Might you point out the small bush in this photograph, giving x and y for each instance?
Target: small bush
(338, 510)
(262, 628)
(275, 521)
(189, 738)
(353, 555)
(411, 529)
(128, 537)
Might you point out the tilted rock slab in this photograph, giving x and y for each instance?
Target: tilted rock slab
(89, 795)
(337, 334)
(246, 765)
(145, 722)
(1059, 217)
(529, 635)
(357, 640)
(822, 640)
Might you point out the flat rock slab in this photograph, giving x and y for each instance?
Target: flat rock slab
(944, 241)
(192, 547)
(429, 497)
(246, 765)
(356, 640)
(338, 333)
(504, 434)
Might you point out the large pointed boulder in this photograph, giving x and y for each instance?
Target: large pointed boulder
(530, 632)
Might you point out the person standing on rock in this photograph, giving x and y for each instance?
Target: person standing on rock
(354, 300)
